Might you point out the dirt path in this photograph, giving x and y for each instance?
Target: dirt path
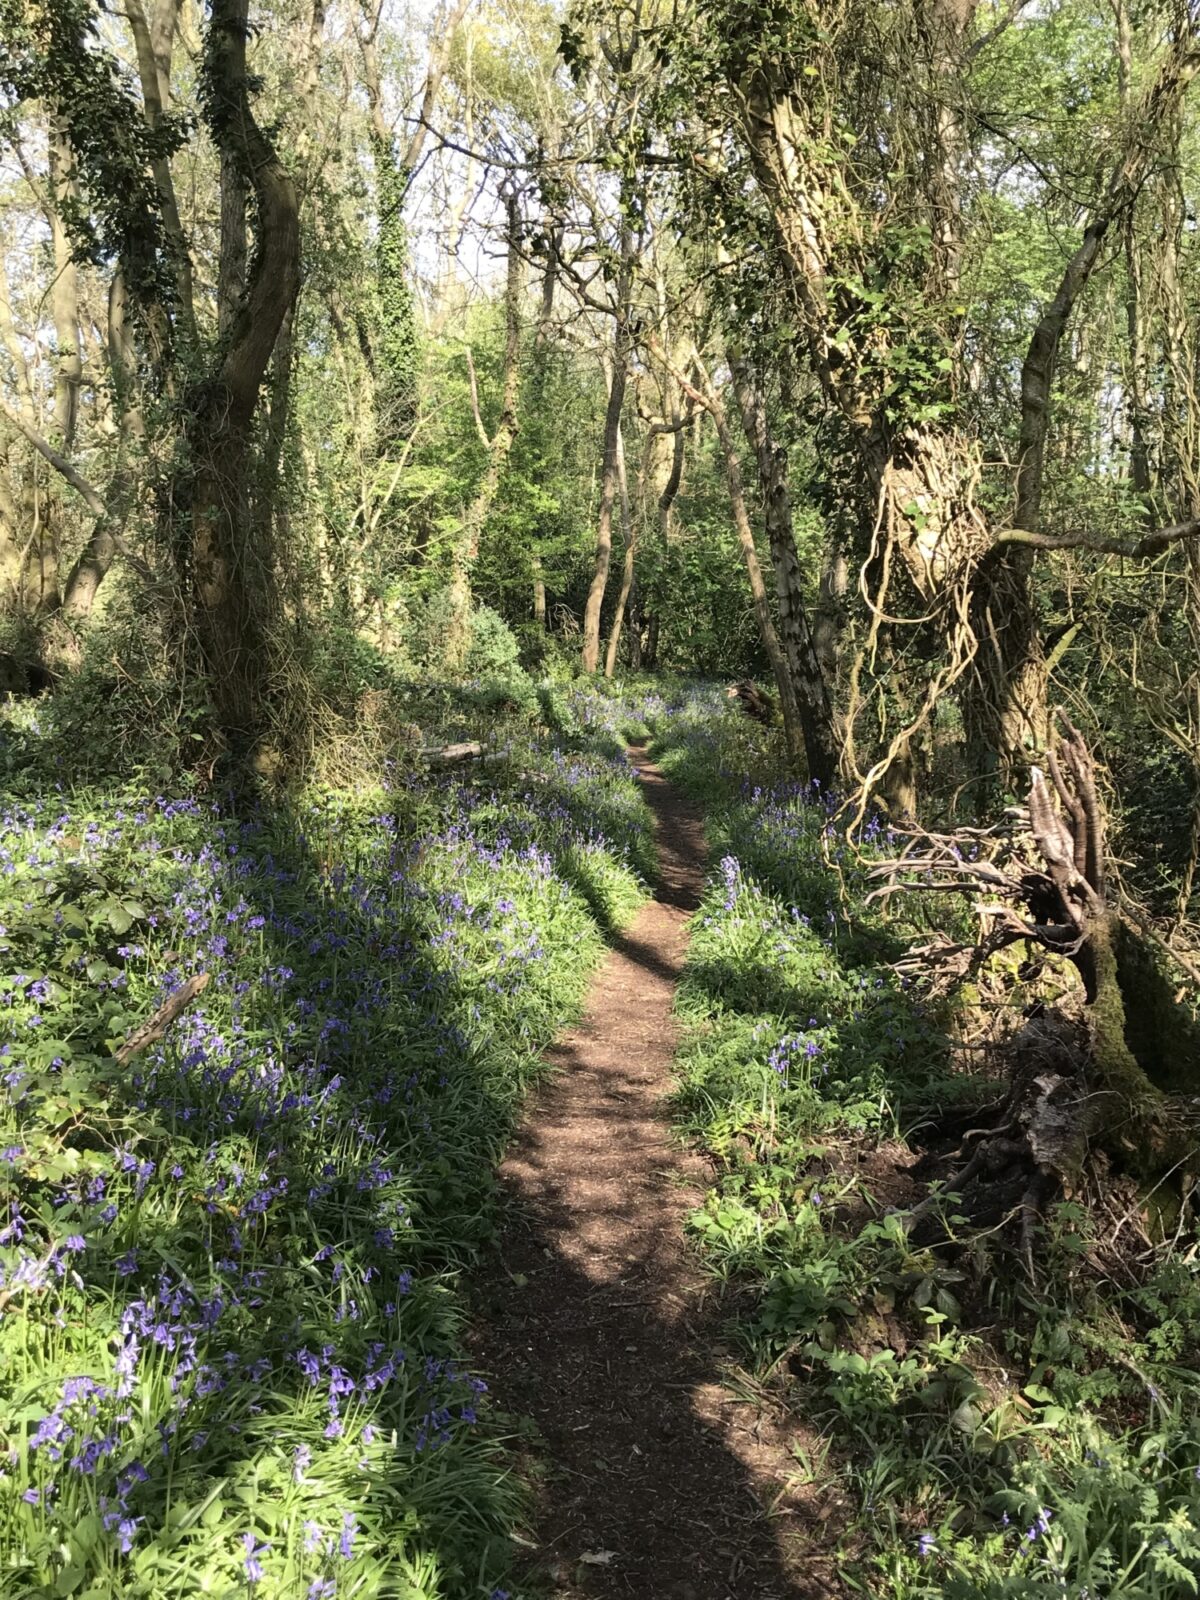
(599, 1324)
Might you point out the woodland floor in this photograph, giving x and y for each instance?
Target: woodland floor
(652, 1477)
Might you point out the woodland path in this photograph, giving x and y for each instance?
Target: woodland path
(598, 1323)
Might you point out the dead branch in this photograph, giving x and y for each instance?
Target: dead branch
(1150, 544)
(162, 1019)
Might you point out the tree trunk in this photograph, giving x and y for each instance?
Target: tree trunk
(1010, 711)
(793, 729)
(650, 655)
(228, 567)
(629, 533)
(922, 473)
(499, 447)
(539, 593)
(11, 560)
(395, 356)
(828, 622)
(97, 555)
(154, 40)
(808, 683)
(64, 295)
(622, 347)
(537, 394)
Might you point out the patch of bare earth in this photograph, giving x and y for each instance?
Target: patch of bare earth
(652, 1478)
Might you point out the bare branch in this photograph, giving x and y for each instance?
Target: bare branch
(1150, 544)
(57, 460)
(479, 427)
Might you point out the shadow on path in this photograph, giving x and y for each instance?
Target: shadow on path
(597, 1321)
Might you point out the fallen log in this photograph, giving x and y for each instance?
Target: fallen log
(445, 755)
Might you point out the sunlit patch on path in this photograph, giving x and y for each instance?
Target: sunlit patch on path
(600, 1325)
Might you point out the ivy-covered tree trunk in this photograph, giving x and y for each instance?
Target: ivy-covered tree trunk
(227, 558)
(875, 323)
(395, 349)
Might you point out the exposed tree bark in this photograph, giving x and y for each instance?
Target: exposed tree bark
(231, 261)
(22, 508)
(64, 294)
(538, 381)
(11, 555)
(813, 699)
(828, 621)
(629, 532)
(499, 446)
(670, 489)
(621, 350)
(97, 556)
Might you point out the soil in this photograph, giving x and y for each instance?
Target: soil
(651, 1477)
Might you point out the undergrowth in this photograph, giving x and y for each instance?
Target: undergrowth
(994, 1438)
(229, 1316)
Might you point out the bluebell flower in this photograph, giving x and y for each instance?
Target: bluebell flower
(251, 1564)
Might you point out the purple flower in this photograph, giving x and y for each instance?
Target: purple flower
(251, 1563)
(346, 1539)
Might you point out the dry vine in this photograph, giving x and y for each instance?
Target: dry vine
(1076, 1091)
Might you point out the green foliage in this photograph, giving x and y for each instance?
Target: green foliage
(130, 709)
(995, 1441)
(230, 1347)
(50, 52)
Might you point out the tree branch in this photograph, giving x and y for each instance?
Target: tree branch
(108, 519)
(479, 427)
(1150, 544)
(57, 460)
